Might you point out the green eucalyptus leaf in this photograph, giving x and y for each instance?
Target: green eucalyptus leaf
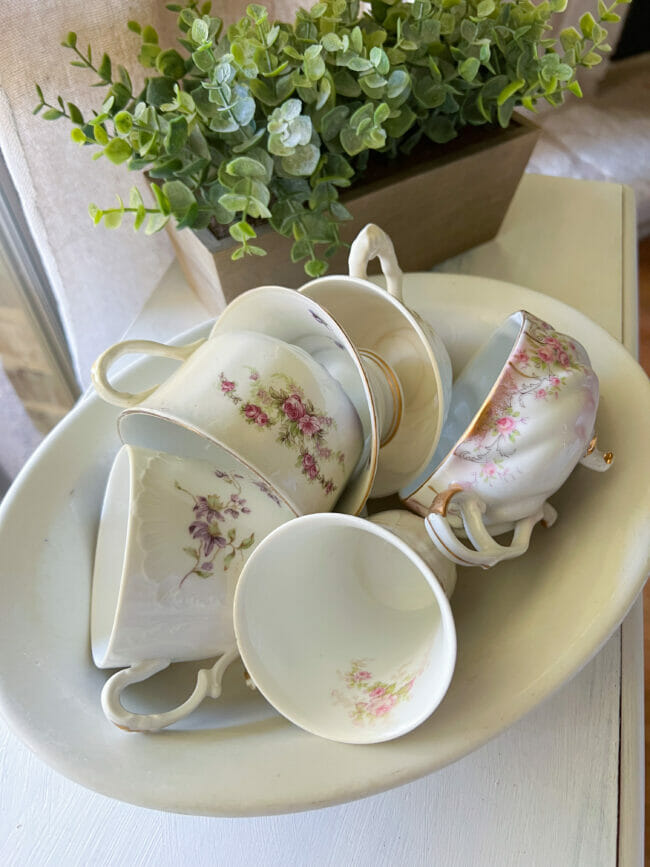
(135, 198)
(397, 126)
(155, 223)
(95, 213)
(316, 267)
(303, 161)
(123, 123)
(170, 64)
(246, 167)
(179, 196)
(113, 219)
(469, 68)
(159, 91)
(232, 202)
(440, 129)
(118, 150)
(105, 70)
(78, 136)
(332, 42)
(75, 115)
(485, 8)
(200, 31)
(176, 136)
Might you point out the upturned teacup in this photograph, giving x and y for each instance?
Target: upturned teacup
(522, 416)
(344, 629)
(174, 535)
(269, 401)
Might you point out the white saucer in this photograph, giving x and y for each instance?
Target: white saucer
(541, 617)
(376, 321)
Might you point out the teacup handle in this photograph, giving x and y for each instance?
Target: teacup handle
(99, 370)
(208, 683)
(486, 552)
(373, 242)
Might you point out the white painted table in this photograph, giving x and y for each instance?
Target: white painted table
(552, 790)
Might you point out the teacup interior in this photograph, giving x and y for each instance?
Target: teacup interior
(472, 388)
(109, 553)
(343, 631)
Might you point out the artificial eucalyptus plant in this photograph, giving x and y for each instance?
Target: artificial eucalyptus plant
(268, 121)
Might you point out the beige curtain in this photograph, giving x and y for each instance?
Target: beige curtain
(101, 278)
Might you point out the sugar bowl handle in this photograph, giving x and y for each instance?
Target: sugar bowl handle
(99, 370)
(373, 242)
(208, 683)
(486, 551)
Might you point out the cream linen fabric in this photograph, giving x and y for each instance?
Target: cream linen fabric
(100, 278)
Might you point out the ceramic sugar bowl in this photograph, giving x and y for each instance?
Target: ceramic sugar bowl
(522, 416)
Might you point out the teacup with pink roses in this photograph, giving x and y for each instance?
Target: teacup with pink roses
(521, 417)
(267, 400)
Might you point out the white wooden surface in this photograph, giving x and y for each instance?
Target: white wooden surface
(545, 792)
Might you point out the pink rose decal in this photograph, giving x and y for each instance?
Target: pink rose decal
(540, 394)
(309, 425)
(563, 358)
(294, 419)
(293, 407)
(490, 469)
(369, 698)
(546, 355)
(387, 705)
(555, 380)
(521, 357)
(309, 466)
(505, 424)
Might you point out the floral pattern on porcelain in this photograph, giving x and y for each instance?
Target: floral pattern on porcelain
(299, 425)
(368, 699)
(210, 531)
(536, 371)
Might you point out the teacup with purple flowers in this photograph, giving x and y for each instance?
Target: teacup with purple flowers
(174, 535)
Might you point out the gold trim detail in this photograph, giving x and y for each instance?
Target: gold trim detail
(608, 457)
(396, 392)
(591, 446)
(440, 503)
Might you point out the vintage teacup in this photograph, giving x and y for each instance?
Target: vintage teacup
(522, 416)
(412, 359)
(344, 629)
(173, 537)
(288, 316)
(269, 401)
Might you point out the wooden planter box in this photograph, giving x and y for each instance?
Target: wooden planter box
(437, 202)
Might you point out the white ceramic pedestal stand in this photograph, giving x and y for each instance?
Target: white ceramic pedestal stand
(550, 790)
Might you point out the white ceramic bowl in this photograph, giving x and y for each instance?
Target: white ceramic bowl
(542, 623)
